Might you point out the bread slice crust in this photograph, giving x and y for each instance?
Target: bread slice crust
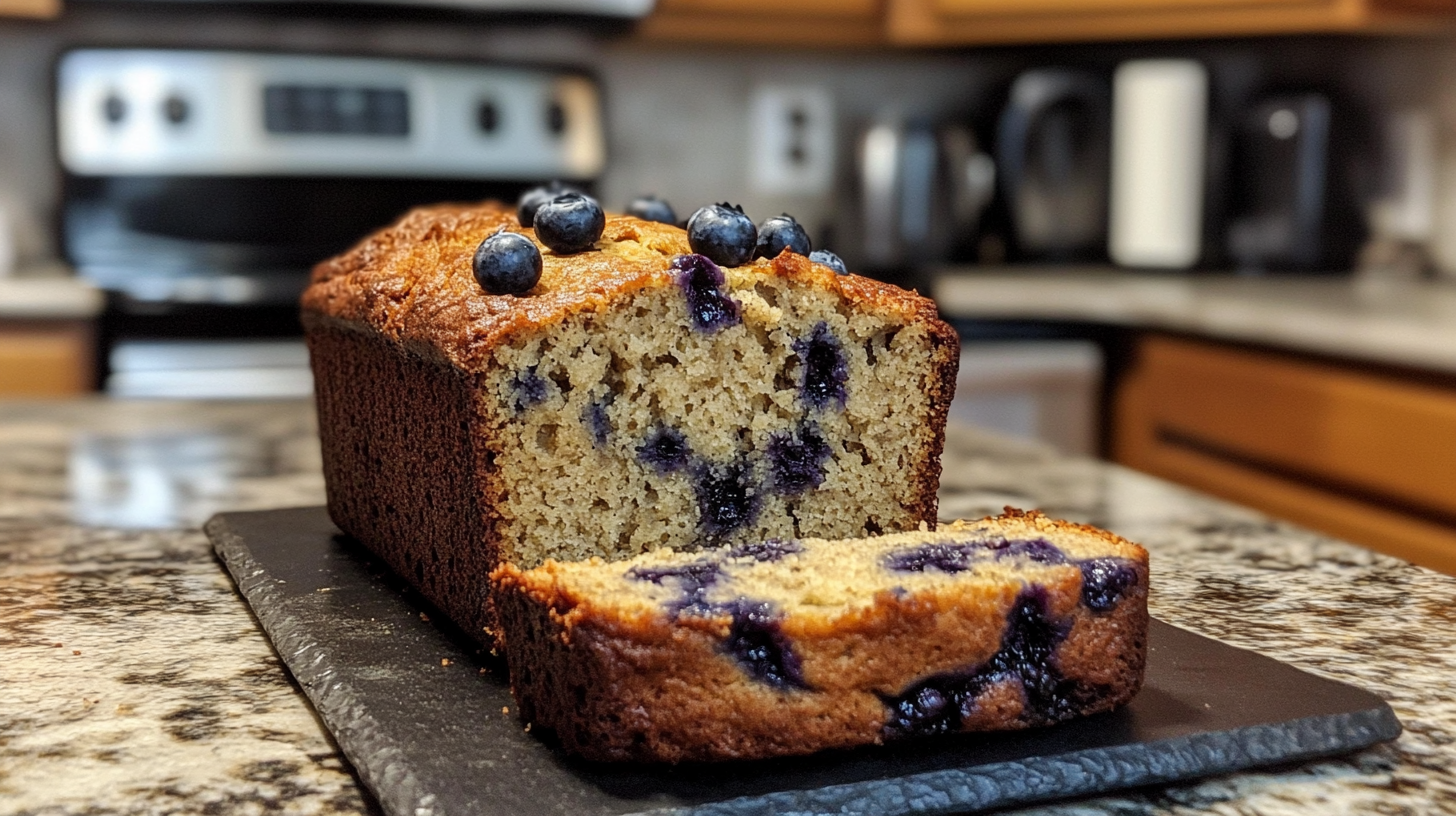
(619, 679)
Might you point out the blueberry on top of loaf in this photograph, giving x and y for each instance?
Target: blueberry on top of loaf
(412, 281)
(639, 396)
(1007, 622)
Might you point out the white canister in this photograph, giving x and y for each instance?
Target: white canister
(1159, 135)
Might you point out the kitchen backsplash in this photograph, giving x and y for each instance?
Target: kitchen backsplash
(680, 118)
(677, 117)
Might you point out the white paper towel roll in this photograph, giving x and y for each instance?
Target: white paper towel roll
(1159, 133)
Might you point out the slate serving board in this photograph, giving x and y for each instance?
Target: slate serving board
(433, 740)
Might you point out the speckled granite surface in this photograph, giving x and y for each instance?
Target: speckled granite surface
(176, 704)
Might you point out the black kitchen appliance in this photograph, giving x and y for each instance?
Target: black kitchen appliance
(201, 186)
(1053, 151)
(1293, 200)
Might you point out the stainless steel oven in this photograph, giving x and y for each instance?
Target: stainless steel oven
(201, 186)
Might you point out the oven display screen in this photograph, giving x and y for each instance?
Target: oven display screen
(336, 110)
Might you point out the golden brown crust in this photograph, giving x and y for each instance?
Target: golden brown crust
(413, 283)
(401, 314)
(643, 688)
(658, 695)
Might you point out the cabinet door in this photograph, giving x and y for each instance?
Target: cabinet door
(975, 8)
(46, 358)
(985, 21)
(1367, 456)
(749, 8)
(30, 8)
(782, 22)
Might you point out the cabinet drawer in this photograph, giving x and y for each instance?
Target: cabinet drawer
(45, 358)
(1366, 456)
(1381, 435)
(964, 8)
(30, 8)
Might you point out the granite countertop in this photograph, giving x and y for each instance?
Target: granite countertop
(1400, 323)
(137, 681)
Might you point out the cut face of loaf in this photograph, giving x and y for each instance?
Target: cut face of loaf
(639, 397)
(723, 406)
(790, 646)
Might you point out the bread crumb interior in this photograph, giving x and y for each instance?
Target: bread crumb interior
(571, 409)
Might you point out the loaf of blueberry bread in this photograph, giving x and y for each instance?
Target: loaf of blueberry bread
(636, 396)
(789, 646)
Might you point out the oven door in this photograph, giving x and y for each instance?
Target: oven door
(204, 273)
(201, 186)
(233, 240)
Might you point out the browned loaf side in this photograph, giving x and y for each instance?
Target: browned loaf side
(637, 398)
(791, 646)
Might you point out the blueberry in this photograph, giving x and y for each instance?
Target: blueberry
(824, 368)
(507, 263)
(665, 450)
(959, 556)
(691, 577)
(693, 580)
(779, 233)
(797, 459)
(652, 208)
(757, 642)
(931, 706)
(570, 222)
(755, 638)
(532, 199)
(1026, 651)
(722, 233)
(727, 500)
(1032, 549)
(597, 421)
(702, 282)
(829, 259)
(939, 703)
(1105, 581)
(770, 550)
(529, 388)
(946, 556)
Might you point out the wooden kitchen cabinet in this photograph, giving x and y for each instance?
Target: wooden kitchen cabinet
(30, 8)
(1366, 455)
(46, 358)
(778, 22)
(965, 22)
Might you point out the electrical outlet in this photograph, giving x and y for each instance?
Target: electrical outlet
(793, 139)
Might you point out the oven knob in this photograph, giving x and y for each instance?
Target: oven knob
(556, 118)
(487, 117)
(114, 109)
(176, 109)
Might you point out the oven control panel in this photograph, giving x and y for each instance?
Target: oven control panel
(135, 112)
